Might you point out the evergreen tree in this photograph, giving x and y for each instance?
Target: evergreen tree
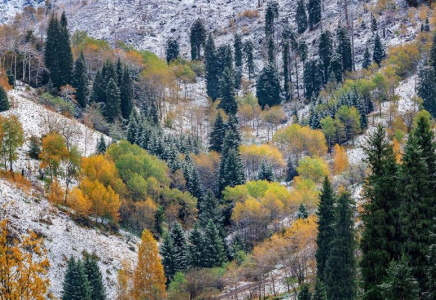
(126, 94)
(266, 172)
(231, 170)
(120, 72)
(210, 210)
(214, 251)
(302, 51)
(101, 145)
(336, 67)
(302, 212)
(192, 178)
(325, 54)
(80, 80)
(380, 242)
(196, 244)
(65, 55)
(227, 86)
(95, 279)
(400, 283)
(249, 56)
(109, 72)
(291, 171)
(181, 254)
(426, 89)
(172, 50)
(374, 26)
(34, 147)
(212, 76)
(304, 293)
(268, 89)
(432, 58)
(271, 14)
(314, 9)
(427, 25)
(286, 70)
(320, 292)
(430, 293)
(271, 52)
(133, 128)
(168, 257)
(340, 272)
(312, 80)
(378, 53)
(4, 101)
(98, 93)
(197, 38)
(417, 208)
(158, 221)
(425, 137)
(217, 134)
(112, 109)
(344, 49)
(326, 219)
(366, 59)
(238, 60)
(51, 58)
(76, 285)
(301, 17)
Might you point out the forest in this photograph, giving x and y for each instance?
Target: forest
(235, 168)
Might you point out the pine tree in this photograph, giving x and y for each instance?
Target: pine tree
(366, 59)
(196, 244)
(212, 76)
(120, 71)
(249, 56)
(374, 26)
(326, 219)
(231, 170)
(304, 293)
(210, 209)
(217, 134)
(98, 93)
(340, 272)
(303, 49)
(378, 53)
(430, 293)
(336, 67)
(51, 58)
(109, 72)
(192, 178)
(238, 60)
(425, 137)
(286, 70)
(133, 128)
(344, 49)
(126, 94)
(65, 55)
(214, 251)
(314, 9)
(181, 254)
(291, 171)
(400, 283)
(197, 38)
(101, 145)
(426, 89)
(312, 80)
(302, 212)
(271, 14)
(271, 52)
(112, 109)
(301, 17)
(268, 89)
(95, 279)
(80, 80)
(168, 257)
(380, 242)
(4, 101)
(227, 91)
(158, 221)
(325, 54)
(172, 50)
(76, 285)
(266, 172)
(320, 292)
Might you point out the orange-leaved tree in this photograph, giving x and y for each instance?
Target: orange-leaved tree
(340, 162)
(54, 151)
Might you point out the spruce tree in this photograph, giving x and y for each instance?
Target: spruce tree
(374, 26)
(214, 251)
(301, 17)
(172, 50)
(112, 108)
(291, 171)
(212, 76)
(76, 285)
(271, 52)
(65, 55)
(197, 38)
(119, 70)
(326, 219)
(192, 178)
(344, 49)
(380, 242)
(4, 101)
(249, 57)
(227, 92)
(366, 59)
(217, 134)
(101, 145)
(231, 170)
(303, 49)
(80, 80)
(304, 293)
(196, 244)
(99, 85)
(109, 72)
(168, 257)
(378, 53)
(426, 89)
(430, 293)
(181, 254)
(286, 70)
(268, 90)
(133, 131)
(417, 209)
(312, 80)
(34, 147)
(302, 212)
(210, 209)
(51, 58)
(432, 58)
(238, 60)
(340, 272)
(400, 283)
(423, 131)
(336, 67)
(325, 54)
(95, 279)
(320, 292)
(158, 221)
(266, 172)
(427, 25)
(271, 14)
(126, 94)
(314, 9)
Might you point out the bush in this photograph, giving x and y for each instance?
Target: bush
(57, 103)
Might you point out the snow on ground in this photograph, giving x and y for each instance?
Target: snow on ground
(63, 238)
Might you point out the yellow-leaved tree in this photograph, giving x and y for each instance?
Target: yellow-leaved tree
(23, 266)
(340, 162)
